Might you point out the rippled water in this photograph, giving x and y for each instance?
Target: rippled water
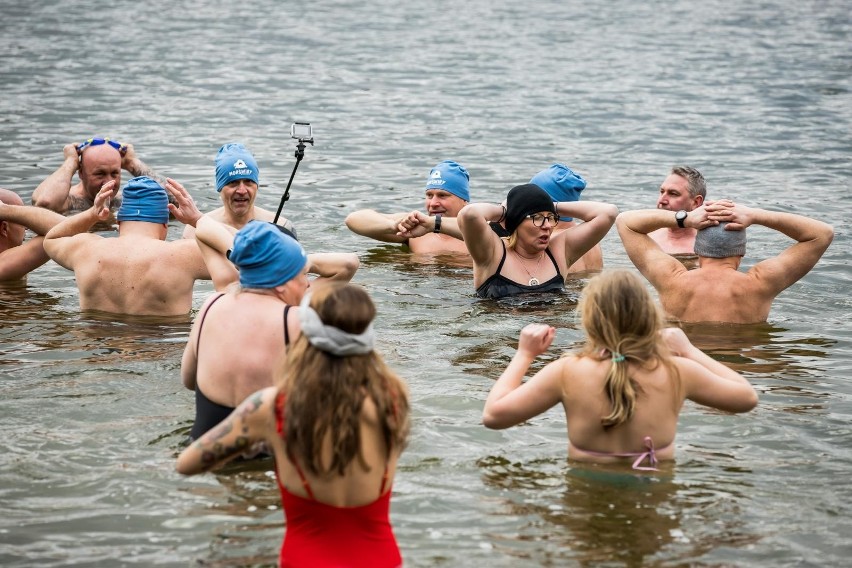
(756, 95)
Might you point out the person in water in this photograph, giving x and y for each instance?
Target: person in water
(264, 307)
(336, 422)
(17, 258)
(563, 184)
(532, 258)
(624, 390)
(447, 191)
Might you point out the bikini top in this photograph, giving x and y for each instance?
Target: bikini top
(498, 286)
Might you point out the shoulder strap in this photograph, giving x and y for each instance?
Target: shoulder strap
(286, 327)
(503, 259)
(553, 260)
(280, 427)
(201, 322)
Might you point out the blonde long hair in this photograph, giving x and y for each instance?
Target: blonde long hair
(325, 393)
(621, 318)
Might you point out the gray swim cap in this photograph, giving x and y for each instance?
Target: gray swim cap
(716, 242)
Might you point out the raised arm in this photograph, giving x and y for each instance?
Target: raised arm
(329, 266)
(245, 427)
(416, 224)
(510, 401)
(379, 226)
(598, 219)
(60, 243)
(17, 262)
(654, 264)
(53, 192)
(812, 239)
(705, 380)
(131, 163)
(481, 240)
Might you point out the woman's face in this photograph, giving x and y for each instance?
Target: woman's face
(533, 236)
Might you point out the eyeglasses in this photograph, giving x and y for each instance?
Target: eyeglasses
(122, 148)
(538, 219)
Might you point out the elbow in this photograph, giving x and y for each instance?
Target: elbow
(351, 263)
(492, 422)
(611, 213)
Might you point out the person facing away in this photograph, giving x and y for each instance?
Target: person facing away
(237, 179)
(336, 422)
(532, 258)
(95, 161)
(17, 259)
(563, 184)
(717, 291)
(138, 273)
(447, 191)
(263, 306)
(623, 391)
(216, 238)
(683, 190)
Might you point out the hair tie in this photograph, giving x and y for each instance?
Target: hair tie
(617, 357)
(332, 339)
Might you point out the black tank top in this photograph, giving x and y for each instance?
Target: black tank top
(498, 286)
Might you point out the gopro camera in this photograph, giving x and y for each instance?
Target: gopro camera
(302, 131)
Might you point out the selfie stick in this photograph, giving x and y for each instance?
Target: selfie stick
(300, 153)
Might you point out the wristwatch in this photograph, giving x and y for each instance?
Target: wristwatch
(680, 217)
(437, 228)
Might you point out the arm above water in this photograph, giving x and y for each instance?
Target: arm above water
(378, 226)
(511, 401)
(705, 380)
(53, 192)
(245, 427)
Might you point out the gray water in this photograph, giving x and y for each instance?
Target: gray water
(757, 95)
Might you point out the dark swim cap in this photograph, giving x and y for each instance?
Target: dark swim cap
(525, 200)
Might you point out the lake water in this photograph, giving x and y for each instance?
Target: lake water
(758, 96)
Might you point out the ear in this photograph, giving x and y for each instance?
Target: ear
(4, 229)
(697, 201)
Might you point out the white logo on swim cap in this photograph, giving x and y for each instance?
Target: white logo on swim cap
(436, 178)
(240, 164)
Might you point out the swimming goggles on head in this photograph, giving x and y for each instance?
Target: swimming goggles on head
(122, 148)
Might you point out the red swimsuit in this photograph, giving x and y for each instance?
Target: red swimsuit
(320, 535)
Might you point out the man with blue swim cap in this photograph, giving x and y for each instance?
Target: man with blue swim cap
(95, 161)
(447, 191)
(237, 178)
(138, 273)
(717, 291)
(240, 336)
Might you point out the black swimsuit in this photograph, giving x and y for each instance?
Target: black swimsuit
(208, 413)
(498, 286)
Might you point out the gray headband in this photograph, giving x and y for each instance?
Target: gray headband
(331, 339)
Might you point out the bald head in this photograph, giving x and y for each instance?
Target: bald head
(98, 165)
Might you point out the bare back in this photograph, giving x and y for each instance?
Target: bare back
(138, 275)
(240, 345)
(586, 403)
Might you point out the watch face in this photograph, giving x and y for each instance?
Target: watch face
(680, 215)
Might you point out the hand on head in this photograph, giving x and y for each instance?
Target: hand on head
(128, 157)
(536, 338)
(70, 152)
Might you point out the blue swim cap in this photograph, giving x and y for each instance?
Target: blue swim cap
(143, 199)
(450, 176)
(265, 256)
(561, 183)
(234, 162)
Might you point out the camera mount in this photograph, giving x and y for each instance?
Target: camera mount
(300, 153)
